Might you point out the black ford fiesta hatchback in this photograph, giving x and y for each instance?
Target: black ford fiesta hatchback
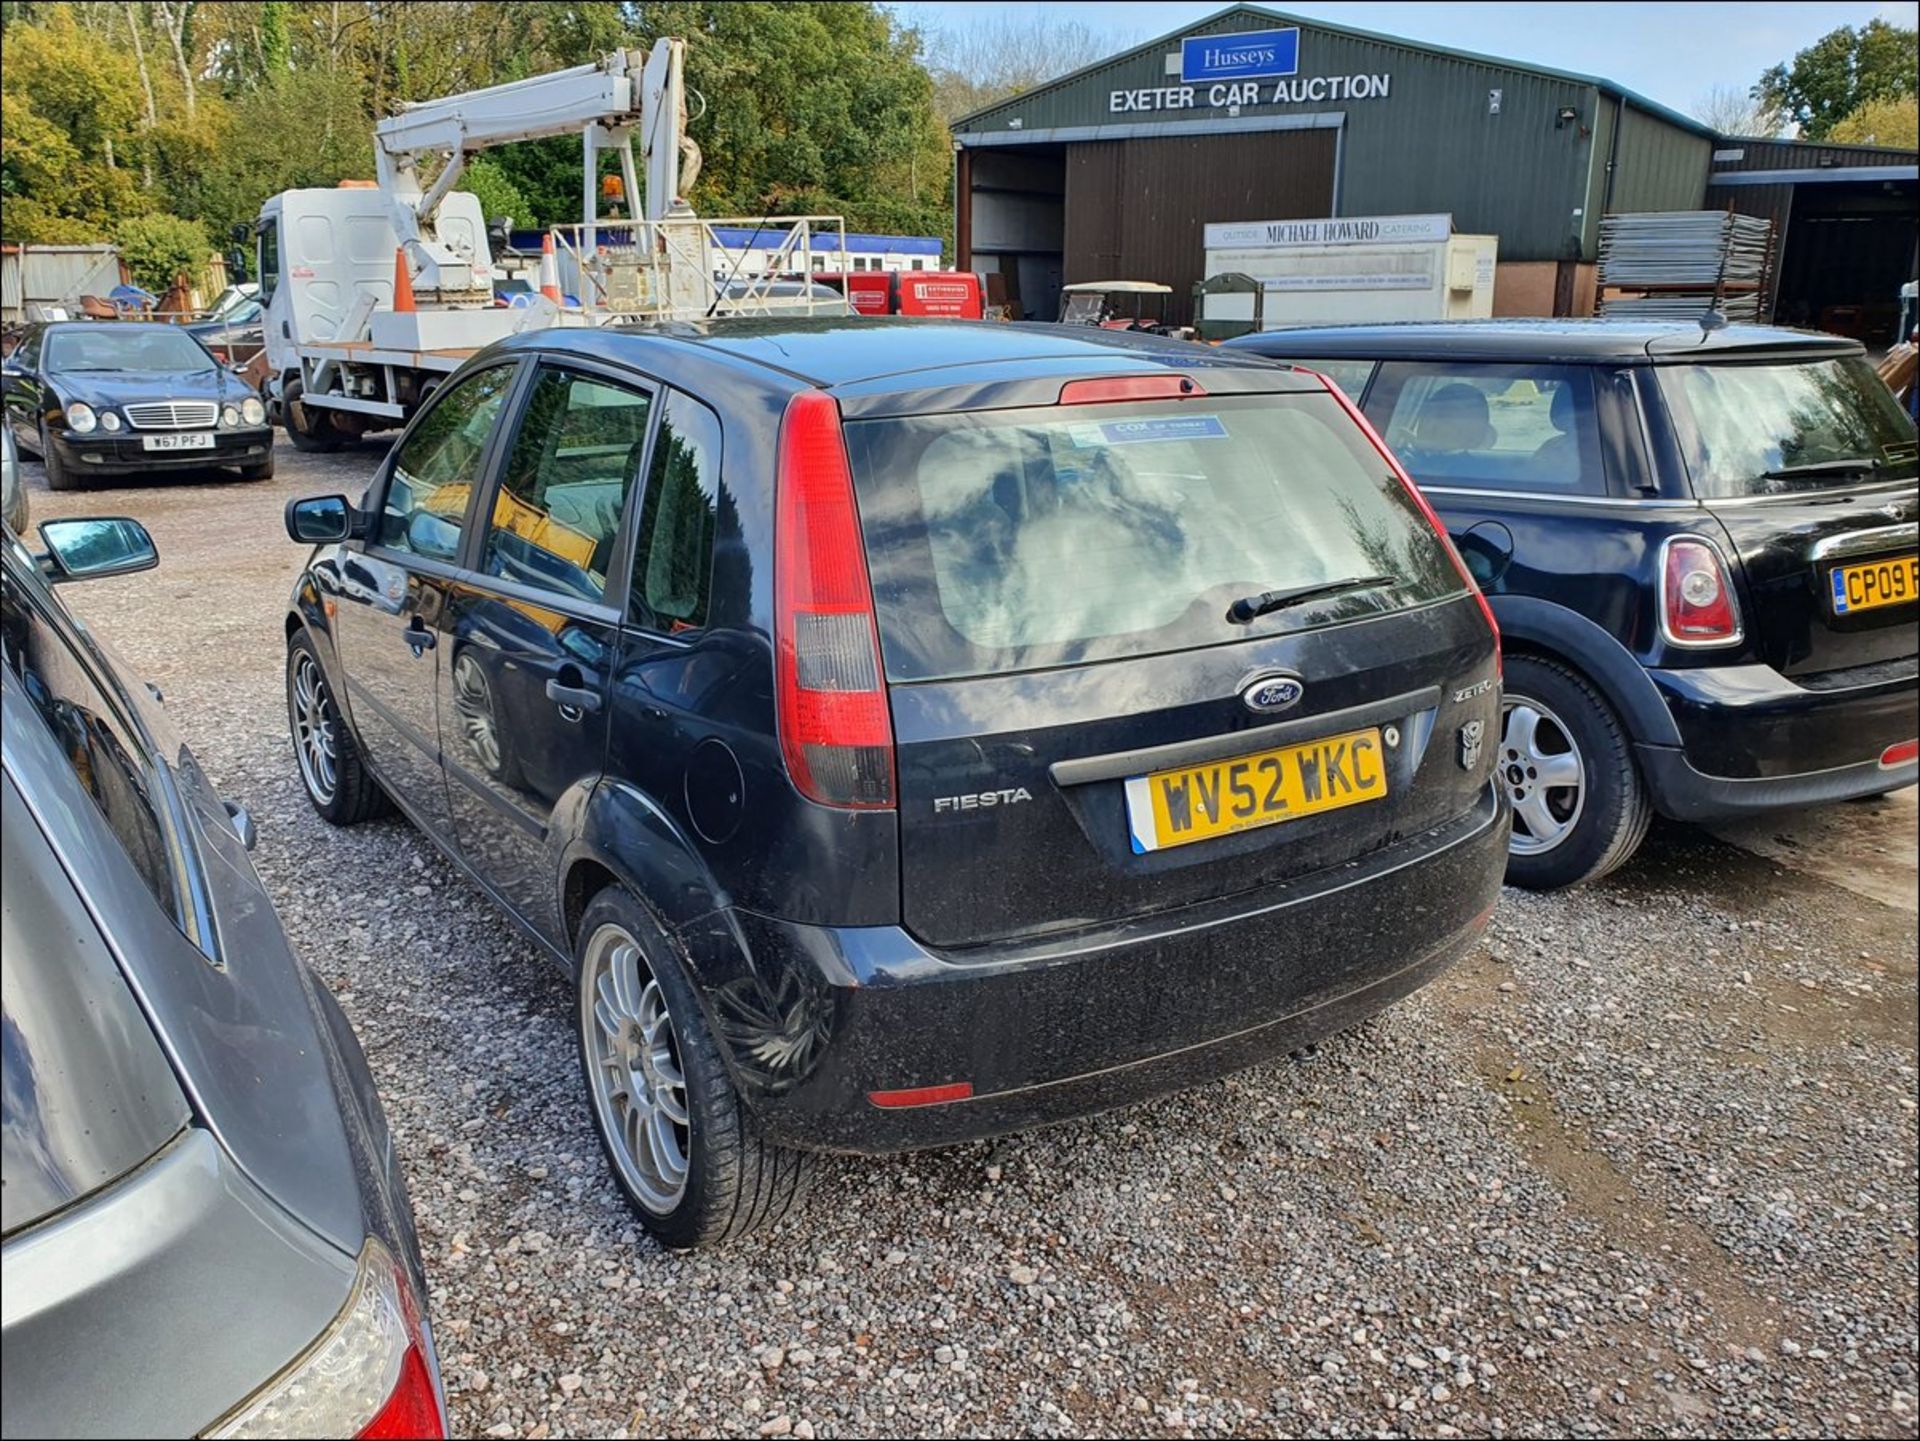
(908, 731)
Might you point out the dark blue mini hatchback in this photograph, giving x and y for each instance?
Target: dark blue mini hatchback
(908, 731)
(1701, 546)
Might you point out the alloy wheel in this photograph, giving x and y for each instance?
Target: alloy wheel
(310, 704)
(1540, 766)
(634, 1070)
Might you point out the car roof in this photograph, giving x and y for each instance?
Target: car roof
(845, 350)
(1535, 339)
(1123, 287)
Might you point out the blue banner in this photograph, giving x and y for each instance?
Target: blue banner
(1248, 55)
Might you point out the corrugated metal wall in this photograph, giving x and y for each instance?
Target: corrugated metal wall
(1805, 155)
(1137, 209)
(55, 275)
(1658, 166)
(1434, 142)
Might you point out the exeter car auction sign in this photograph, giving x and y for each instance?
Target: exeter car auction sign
(1253, 67)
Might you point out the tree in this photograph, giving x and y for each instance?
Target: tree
(1840, 72)
(156, 248)
(975, 65)
(1729, 110)
(497, 194)
(1894, 124)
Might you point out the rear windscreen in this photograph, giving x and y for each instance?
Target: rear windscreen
(1019, 539)
(1773, 429)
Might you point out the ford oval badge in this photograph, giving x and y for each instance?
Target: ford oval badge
(1269, 693)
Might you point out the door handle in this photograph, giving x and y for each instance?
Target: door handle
(419, 639)
(575, 698)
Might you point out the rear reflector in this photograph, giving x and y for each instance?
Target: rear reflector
(922, 1095)
(835, 730)
(1903, 754)
(1129, 387)
(1696, 595)
(1426, 509)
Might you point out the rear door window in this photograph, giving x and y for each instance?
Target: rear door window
(438, 465)
(581, 443)
(1774, 429)
(1504, 427)
(1018, 539)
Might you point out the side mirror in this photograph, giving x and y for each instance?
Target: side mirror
(89, 549)
(320, 519)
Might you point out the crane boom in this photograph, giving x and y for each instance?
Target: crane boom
(604, 103)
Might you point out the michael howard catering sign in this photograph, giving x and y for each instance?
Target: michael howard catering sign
(1248, 55)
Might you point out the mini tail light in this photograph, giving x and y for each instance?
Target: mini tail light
(1902, 754)
(1696, 595)
(367, 1375)
(1426, 509)
(835, 732)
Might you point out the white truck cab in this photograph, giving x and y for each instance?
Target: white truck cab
(325, 260)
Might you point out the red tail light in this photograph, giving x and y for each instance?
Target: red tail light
(1899, 755)
(1426, 509)
(1696, 595)
(835, 732)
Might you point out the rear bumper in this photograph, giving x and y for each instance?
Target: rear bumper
(1065, 1026)
(1684, 794)
(116, 454)
(1749, 723)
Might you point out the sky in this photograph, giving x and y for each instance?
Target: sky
(1671, 53)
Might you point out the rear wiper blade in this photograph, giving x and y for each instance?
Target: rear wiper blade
(1864, 465)
(1252, 607)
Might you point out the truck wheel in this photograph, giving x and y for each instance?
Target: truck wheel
(1579, 806)
(309, 430)
(681, 1145)
(59, 477)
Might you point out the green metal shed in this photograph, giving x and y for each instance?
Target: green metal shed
(1113, 171)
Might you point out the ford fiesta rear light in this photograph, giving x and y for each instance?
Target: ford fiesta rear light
(1426, 509)
(367, 1375)
(1697, 607)
(831, 698)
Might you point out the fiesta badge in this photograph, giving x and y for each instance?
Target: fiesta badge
(1268, 693)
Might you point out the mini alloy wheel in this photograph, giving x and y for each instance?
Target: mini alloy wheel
(1541, 768)
(634, 1070)
(474, 697)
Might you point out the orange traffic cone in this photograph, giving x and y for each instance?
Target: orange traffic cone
(402, 281)
(549, 270)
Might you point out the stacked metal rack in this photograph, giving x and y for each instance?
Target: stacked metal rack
(1680, 264)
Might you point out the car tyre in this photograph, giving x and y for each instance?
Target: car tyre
(59, 475)
(309, 430)
(331, 771)
(648, 1059)
(1580, 807)
(259, 470)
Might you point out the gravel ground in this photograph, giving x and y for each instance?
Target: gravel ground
(1646, 1164)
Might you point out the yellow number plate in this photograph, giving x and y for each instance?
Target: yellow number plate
(1875, 583)
(1197, 803)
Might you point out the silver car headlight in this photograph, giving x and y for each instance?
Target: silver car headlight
(252, 411)
(230, 417)
(80, 418)
(109, 420)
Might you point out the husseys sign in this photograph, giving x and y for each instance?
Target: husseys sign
(1251, 67)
